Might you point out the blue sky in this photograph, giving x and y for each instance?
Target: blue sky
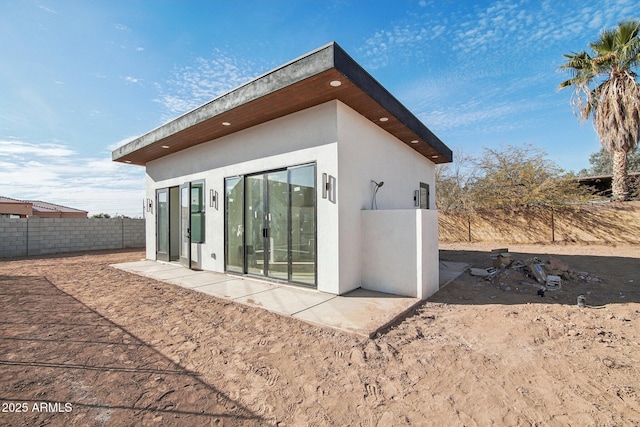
(79, 78)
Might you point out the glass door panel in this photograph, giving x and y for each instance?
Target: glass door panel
(277, 244)
(185, 225)
(162, 231)
(254, 235)
(197, 212)
(303, 224)
(234, 199)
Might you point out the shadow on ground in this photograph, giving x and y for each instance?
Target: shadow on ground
(610, 280)
(68, 365)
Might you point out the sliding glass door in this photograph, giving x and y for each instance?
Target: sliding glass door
(276, 225)
(270, 224)
(185, 225)
(302, 193)
(162, 224)
(234, 224)
(254, 225)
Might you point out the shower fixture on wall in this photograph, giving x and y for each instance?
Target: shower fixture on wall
(374, 203)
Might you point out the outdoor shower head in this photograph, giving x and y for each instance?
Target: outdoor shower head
(374, 205)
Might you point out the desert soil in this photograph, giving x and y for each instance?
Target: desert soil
(82, 343)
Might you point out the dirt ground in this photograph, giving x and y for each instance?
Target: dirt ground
(82, 343)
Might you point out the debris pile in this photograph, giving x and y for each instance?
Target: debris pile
(543, 275)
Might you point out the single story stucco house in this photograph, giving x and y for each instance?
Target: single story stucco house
(311, 174)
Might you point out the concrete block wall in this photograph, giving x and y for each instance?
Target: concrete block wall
(13, 234)
(40, 236)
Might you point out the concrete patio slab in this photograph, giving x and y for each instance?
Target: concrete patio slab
(146, 266)
(286, 299)
(199, 280)
(361, 311)
(173, 273)
(235, 288)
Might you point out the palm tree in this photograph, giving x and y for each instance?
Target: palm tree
(605, 89)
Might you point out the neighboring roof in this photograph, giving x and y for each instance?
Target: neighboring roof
(602, 183)
(297, 85)
(43, 208)
(602, 178)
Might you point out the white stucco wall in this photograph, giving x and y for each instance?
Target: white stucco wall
(366, 152)
(389, 251)
(429, 267)
(303, 137)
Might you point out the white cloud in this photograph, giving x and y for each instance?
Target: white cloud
(502, 31)
(194, 85)
(495, 61)
(474, 114)
(130, 79)
(17, 148)
(48, 9)
(401, 43)
(56, 174)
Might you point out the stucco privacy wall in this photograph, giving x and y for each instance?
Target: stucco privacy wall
(40, 236)
(365, 153)
(303, 137)
(400, 252)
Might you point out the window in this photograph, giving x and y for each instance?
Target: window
(424, 196)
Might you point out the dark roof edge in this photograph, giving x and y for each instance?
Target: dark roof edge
(352, 70)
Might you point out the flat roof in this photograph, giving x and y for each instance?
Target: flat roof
(305, 82)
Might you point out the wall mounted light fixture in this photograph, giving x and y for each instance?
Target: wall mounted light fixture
(213, 199)
(329, 187)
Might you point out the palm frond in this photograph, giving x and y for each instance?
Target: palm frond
(605, 89)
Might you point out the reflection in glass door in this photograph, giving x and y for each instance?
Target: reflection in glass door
(162, 231)
(254, 232)
(234, 210)
(276, 225)
(302, 189)
(185, 225)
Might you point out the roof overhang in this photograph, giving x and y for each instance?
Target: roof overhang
(295, 86)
